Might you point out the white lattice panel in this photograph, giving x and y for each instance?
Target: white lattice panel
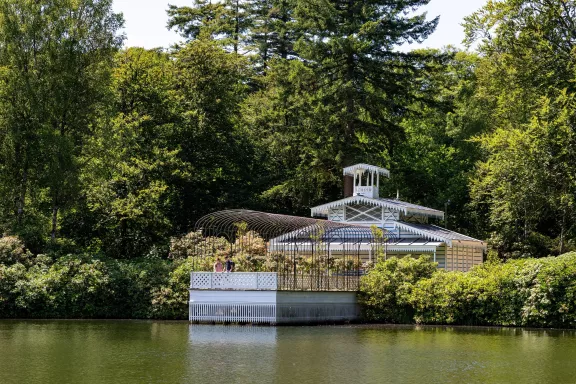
(267, 281)
(201, 280)
(234, 280)
(358, 212)
(336, 214)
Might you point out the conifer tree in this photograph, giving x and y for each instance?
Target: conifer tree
(228, 21)
(273, 31)
(343, 100)
(353, 47)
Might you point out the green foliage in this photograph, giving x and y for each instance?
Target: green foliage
(170, 130)
(433, 163)
(525, 182)
(342, 102)
(55, 61)
(83, 286)
(12, 251)
(187, 246)
(228, 20)
(528, 182)
(385, 290)
(264, 27)
(533, 292)
(132, 162)
(109, 154)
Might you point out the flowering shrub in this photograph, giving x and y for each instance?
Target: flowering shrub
(12, 251)
(527, 292)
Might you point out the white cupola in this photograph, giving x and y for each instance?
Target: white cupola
(366, 179)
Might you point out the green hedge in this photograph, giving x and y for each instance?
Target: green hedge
(527, 292)
(84, 286)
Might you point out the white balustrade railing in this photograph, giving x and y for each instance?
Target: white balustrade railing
(233, 313)
(234, 280)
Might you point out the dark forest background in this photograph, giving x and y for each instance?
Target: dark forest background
(112, 151)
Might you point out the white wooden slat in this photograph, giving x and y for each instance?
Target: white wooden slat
(233, 313)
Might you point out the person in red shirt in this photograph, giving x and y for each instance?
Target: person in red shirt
(218, 265)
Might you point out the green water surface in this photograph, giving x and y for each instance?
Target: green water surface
(55, 352)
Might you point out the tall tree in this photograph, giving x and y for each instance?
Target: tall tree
(168, 151)
(433, 163)
(363, 77)
(264, 28)
(212, 85)
(131, 163)
(273, 33)
(528, 182)
(344, 100)
(56, 57)
(527, 75)
(227, 21)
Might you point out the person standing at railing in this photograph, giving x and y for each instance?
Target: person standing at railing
(218, 265)
(229, 264)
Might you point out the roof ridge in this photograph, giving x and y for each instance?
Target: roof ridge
(388, 203)
(426, 230)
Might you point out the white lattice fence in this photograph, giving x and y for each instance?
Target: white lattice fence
(267, 281)
(235, 280)
(199, 280)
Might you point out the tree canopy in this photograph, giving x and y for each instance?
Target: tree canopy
(114, 149)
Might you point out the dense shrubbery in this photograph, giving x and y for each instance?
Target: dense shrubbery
(529, 292)
(88, 286)
(63, 285)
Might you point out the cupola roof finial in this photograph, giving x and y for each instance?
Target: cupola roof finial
(353, 169)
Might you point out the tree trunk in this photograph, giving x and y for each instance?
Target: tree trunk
(237, 27)
(22, 196)
(54, 222)
(562, 226)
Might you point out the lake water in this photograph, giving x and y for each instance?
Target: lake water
(51, 352)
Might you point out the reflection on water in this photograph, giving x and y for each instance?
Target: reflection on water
(237, 354)
(175, 352)
(231, 334)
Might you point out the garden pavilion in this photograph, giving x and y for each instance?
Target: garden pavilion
(313, 265)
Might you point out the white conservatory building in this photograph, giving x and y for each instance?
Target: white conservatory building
(412, 234)
(310, 269)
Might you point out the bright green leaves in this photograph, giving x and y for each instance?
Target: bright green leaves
(528, 181)
(56, 59)
(537, 293)
(527, 77)
(168, 150)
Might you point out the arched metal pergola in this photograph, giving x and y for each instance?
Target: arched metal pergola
(307, 253)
